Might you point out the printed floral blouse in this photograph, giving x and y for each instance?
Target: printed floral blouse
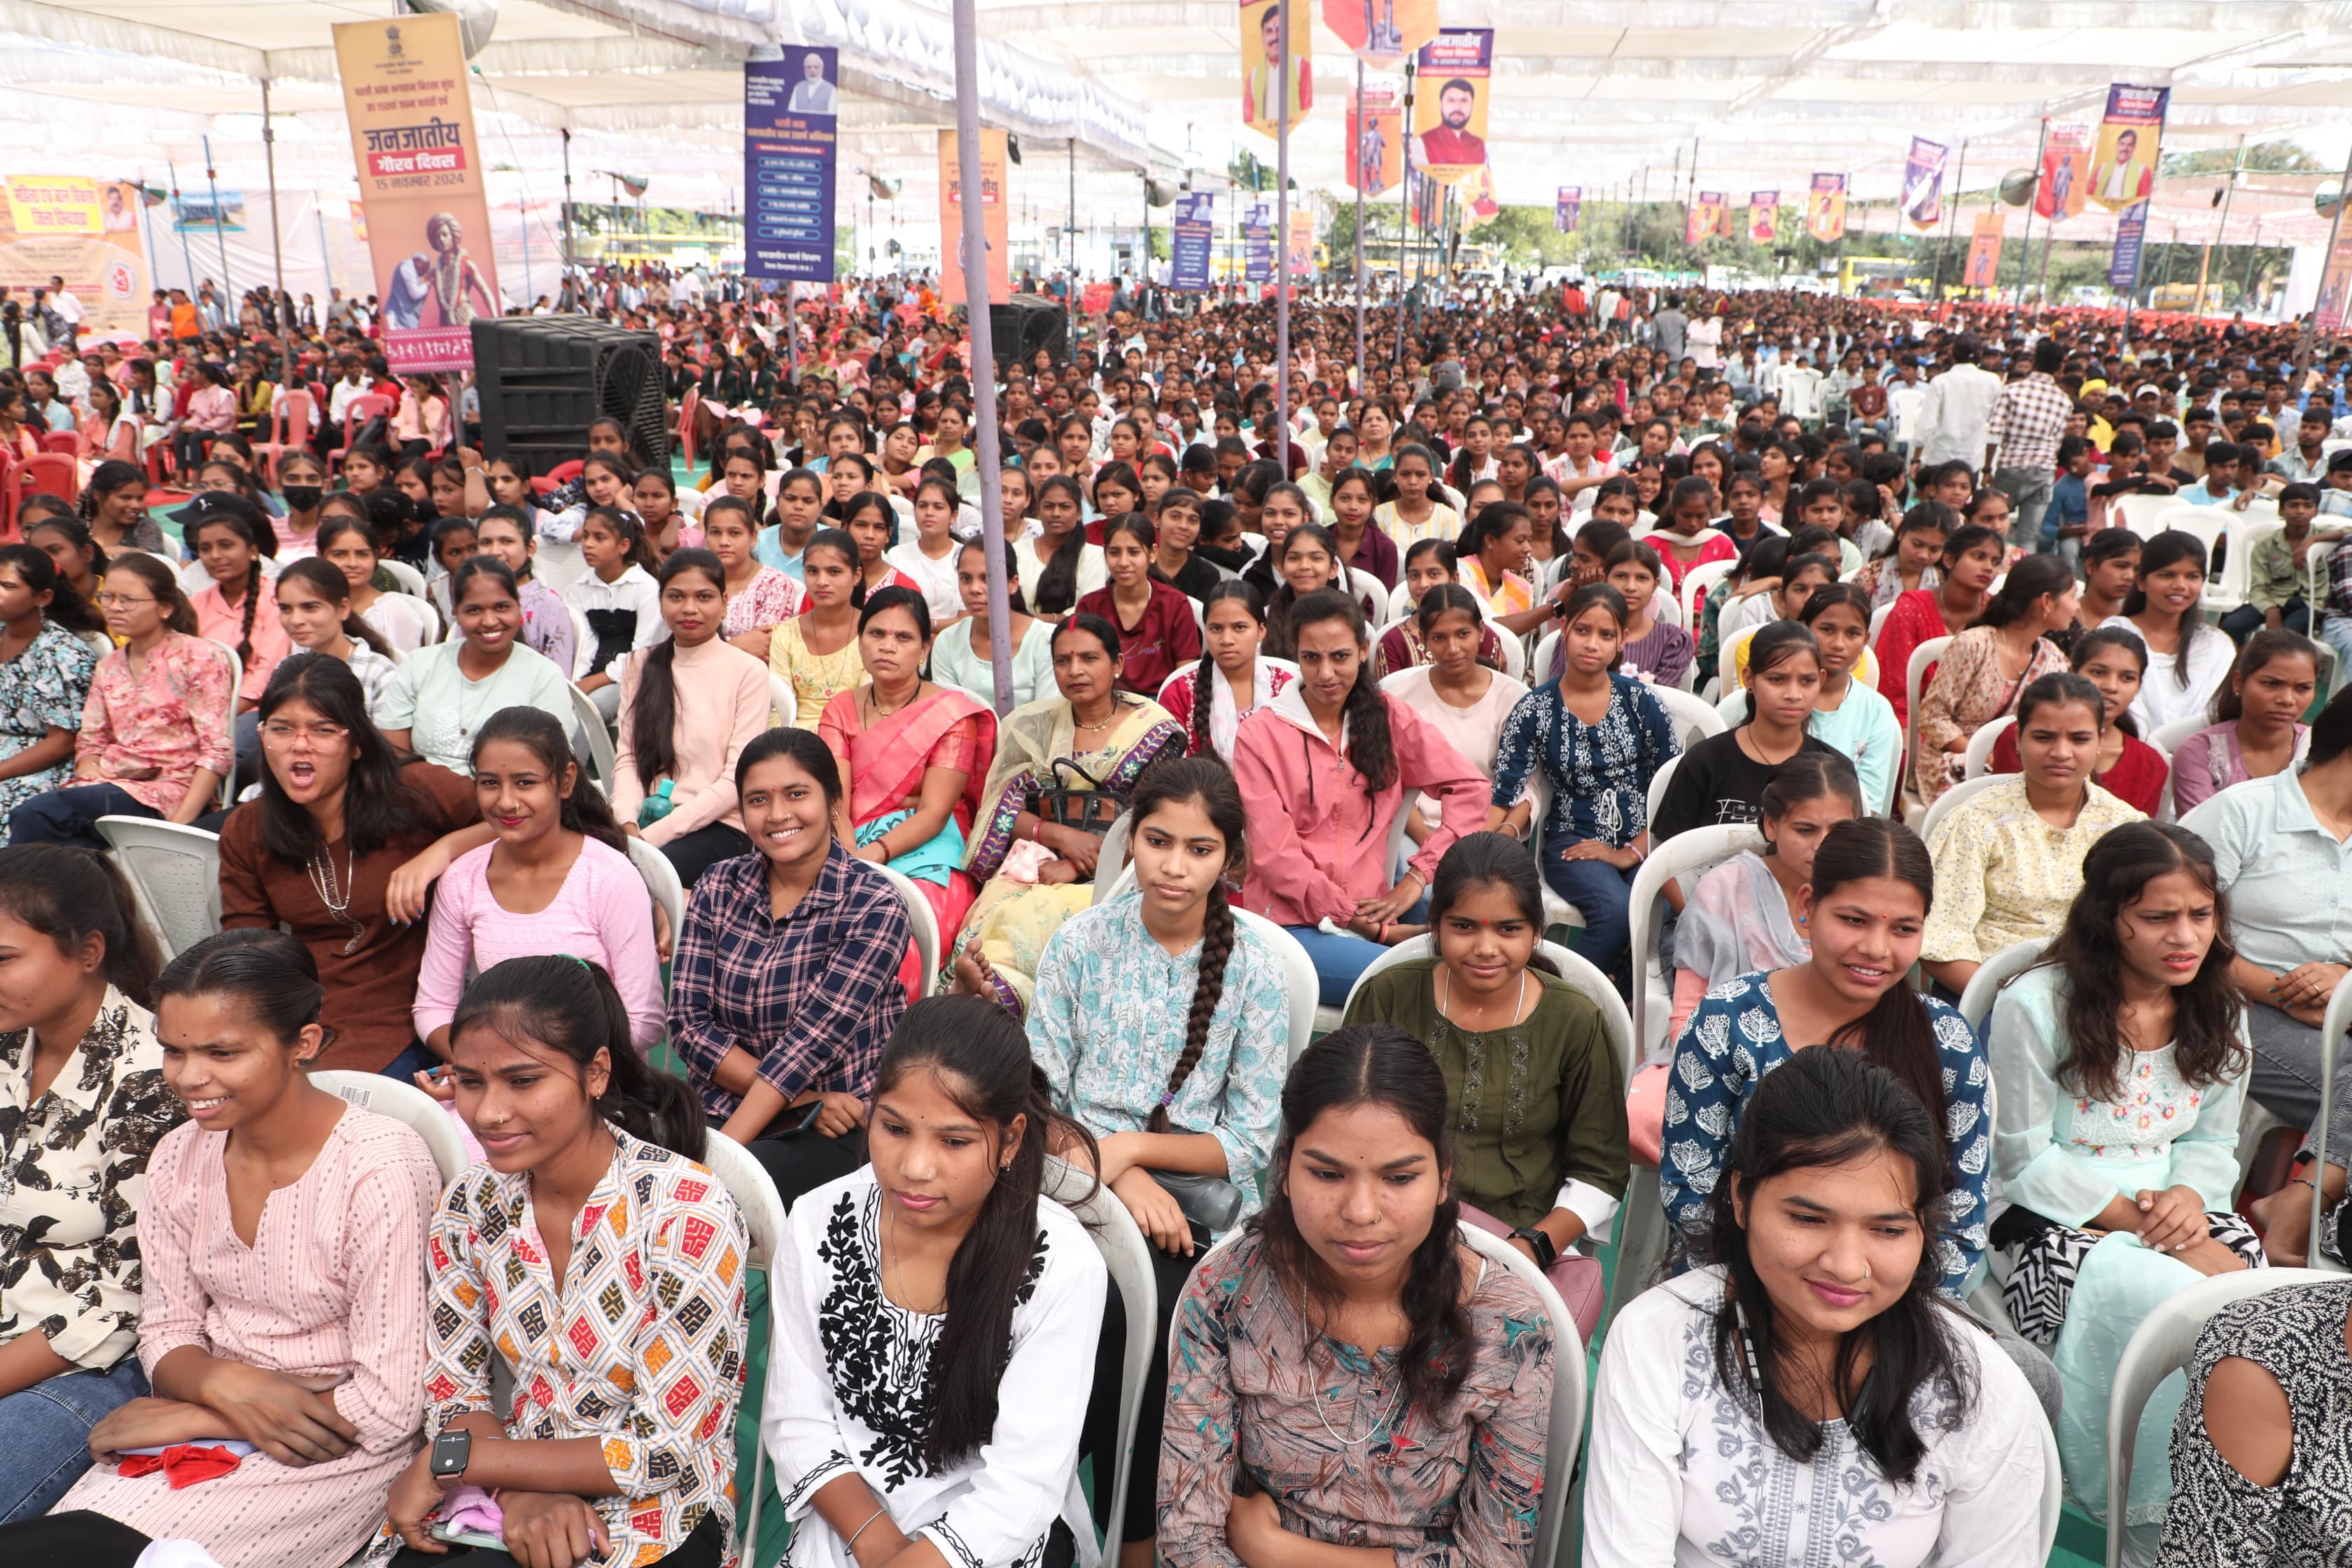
(641, 1343)
(151, 731)
(45, 688)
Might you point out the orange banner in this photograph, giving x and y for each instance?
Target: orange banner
(421, 180)
(85, 232)
(1984, 252)
(991, 215)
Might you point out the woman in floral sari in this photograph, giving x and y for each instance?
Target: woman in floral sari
(1038, 872)
(912, 753)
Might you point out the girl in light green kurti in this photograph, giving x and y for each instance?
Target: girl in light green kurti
(959, 654)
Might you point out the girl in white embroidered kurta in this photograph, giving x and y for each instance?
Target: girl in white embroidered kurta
(935, 1317)
(284, 1293)
(605, 1265)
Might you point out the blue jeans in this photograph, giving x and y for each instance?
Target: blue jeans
(2246, 620)
(1600, 893)
(70, 815)
(45, 1433)
(1339, 960)
(2335, 631)
(418, 1058)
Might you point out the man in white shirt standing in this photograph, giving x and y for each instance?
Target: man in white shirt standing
(1956, 416)
(67, 309)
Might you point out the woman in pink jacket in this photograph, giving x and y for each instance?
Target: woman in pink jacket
(1324, 771)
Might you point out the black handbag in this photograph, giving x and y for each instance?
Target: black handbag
(1210, 1204)
(1089, 810)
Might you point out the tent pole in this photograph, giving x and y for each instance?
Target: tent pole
(277, 248)
(179, 222)
(976, 282)
(2026, 249)
(1404, 201)
(1282, 248)
(1362, 174)
(564, 290)
(220, 236)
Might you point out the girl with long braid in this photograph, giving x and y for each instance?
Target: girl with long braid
(235, 608)
(1182, 1099)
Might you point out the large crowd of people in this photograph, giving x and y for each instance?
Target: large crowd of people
(1973, 666)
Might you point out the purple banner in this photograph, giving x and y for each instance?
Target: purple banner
(2131, 233)
(1923, 183)
(1257, 243)
(1565, 210)
(790, 114)
(1195, 227)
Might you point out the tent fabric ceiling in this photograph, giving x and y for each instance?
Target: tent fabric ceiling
(1753, 94)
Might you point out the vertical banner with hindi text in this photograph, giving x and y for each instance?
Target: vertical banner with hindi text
(790, 110)
(1301, 248)
(953, 261)
(1380, 33)
(2123, 169)
(2065, 182)
(1764, 216)
(1193, 232)
(1449, 103)
(421, 176)
(1825, 208)
(1257, 243)
(1707, 217)
(1923, 183)
(1375, 139)
(1983, 271)
(2131, 236)
(1565, 208)
(1262, 62)
(85, 232)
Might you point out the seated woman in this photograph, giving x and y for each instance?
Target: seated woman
(1306, 562)
(1037, 871)
(2122, 1062)
(1156, 630)
(1599, 737)
(82, 1075)
(1972, 559)
(2262, 1438)
(591, 1185)
(928, 559)
(1870, 892)
(1491, 553)
(2258, 730)
(1849, 714)
(45, 670)
(2114, 660)
(873, 527)
(618, 599)
(505, 533)
(1985, 670)
(347, 540)
(156, 728)
(1351, 1294)
(758, 595)
(1182, 1099)
(1233, 680)
(785, 982)
(1535, 1091)
(282, 1304)
(962, 654)
(2279, 847)
(1686, 535)
(912, 757)
(1659, 650)
(1811, 1359)
(555, 879)
(1426, 565)
(1058, 580)
(817, 650)
(66, 539)
(921, 1302)
(1777, 579)
(1320, 817)
(689, 705)
(2188, 659)
(1465, 702)
(441, 696)
(1721, 778)
(236, 609)
(1362, 545)
(314, 605)
(2009, 860)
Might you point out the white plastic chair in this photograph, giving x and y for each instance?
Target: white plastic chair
(2141, 513)
(1878, 622)
(1698, 584)
(1915, 682)
(406, 579)
(2332, 1024)
(236, 686)
(174, 875)
(590, 723)
(1567, 1389)
(1951, 798)
(2167, 738)
(1515, 653)
(2246, 528)
(1658, 784)
(1578, 972)
(661, 882)
(1694, 718)
(1540, 663)
(2160, 1347)
(403, 1102)
(2209, 523)
(1298, 981)
(1985, 985)
(584, 642)
(784, 702)
(1110, 863)
(1979, 760)
(926, 924)
(1369, 590)
(1128, 1256)
(754, 1192)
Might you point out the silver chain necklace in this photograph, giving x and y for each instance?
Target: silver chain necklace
(1380, 1417)
(336, 893)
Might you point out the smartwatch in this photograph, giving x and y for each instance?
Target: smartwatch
(451, 1450)
(1546, 1255)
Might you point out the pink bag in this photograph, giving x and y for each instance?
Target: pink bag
(1577, 1278)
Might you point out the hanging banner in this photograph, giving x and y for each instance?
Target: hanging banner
(1194, 230)
(1449, 110)
(1375, 141)
(1380, 33)
(1764, 216)
(1565, 208)
(2328, 314)
(1301, 249)
(953, 260)
(1262, 63)
(1825, 208)
(210, 212)
(2065, 182)
(1923, 183)
(2131, 234)
(790, 119)
(421, 176)
(359, 222)
(43, 236)
(1983, 271)
(2122, 172)
(1257, 243)
(1707, 217)
(1479, 191)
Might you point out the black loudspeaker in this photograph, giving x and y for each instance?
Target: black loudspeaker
(544, 378)
(1025, 323)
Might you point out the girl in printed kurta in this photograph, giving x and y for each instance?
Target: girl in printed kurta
(2122, 1062)
(1348, 1372)
(932, 1311)
(1988, 666)
(45, 673)
(282, 1237)
(593, 1253)
(82, 1101)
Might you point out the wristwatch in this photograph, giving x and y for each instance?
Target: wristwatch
(451, 1451)
(1546, 1255)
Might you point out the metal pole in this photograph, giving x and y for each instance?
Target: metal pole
(2220, 230)
(1282, 247)
(179, 222)
(1070, 280)
(1951, 220)
(277, 250)
(220, 234)
(1405, 203)
(326, 259)
(1362, 175)
(983, 346)
(2025, 248)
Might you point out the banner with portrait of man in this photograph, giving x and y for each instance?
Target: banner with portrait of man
(1764, 218)
(1923, 183)
(1262, 66)
(1454, 72)
(85, 232)
(1825, 208)
(2122, 165)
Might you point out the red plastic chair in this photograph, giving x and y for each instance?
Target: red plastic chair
(7, 494)
(49, 474)
(565, 473)
(64, 442)
(293, 429)
(355, 418)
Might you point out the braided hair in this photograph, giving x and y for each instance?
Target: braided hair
(1205, 674)
(252, 578)
(1207, 784)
